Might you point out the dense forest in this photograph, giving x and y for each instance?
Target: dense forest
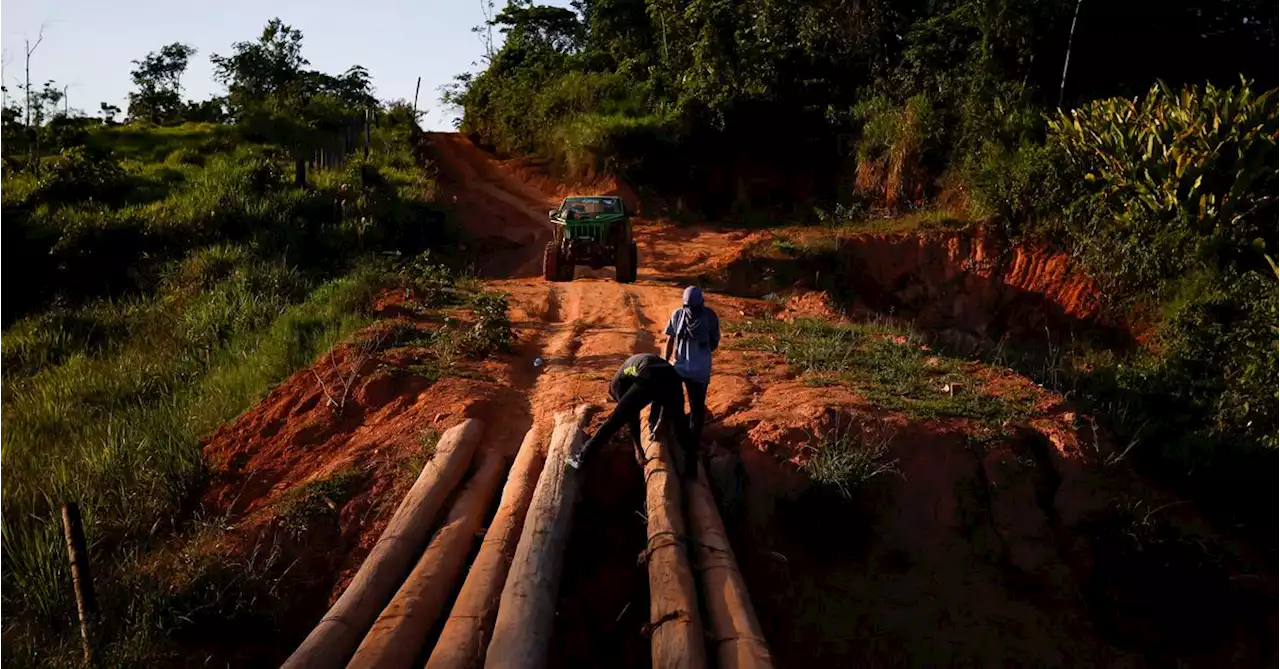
(1139, 137)
(672, 94)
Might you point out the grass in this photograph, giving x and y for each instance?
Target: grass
(918, 220)
(845, 457)
(299, 507)
(172, 287)
(413, 465)
(890, 368)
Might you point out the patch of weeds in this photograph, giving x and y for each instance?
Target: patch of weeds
(402, 333)
(847, 457)
(492, 330)
(890, 367)
(431, 282)
(300, 507)
(842, 214)
(786, 246)
(1153, 586)
(426, 452)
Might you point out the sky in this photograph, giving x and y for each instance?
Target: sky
(88, 44)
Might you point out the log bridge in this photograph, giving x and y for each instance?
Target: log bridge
(416, 601)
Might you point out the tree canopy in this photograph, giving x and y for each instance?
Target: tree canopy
(777, 82)
(158, 78)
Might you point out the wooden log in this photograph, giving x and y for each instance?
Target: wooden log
(336, 636)
(674, 622)
(527, 608)
(462, 641)
(736, 632)
(400, 633)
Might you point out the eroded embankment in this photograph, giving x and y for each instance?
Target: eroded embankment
(972, 283)
(1014, 547)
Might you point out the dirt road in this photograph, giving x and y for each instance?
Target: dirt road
(581, 330)
(584, 328)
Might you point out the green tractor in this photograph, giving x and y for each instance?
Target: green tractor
(594, 231)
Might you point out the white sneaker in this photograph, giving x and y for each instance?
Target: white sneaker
(574, 461)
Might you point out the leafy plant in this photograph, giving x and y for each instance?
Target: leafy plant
(1185, 179)
(492, 330)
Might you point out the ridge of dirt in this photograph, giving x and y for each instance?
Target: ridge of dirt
(1006, 544)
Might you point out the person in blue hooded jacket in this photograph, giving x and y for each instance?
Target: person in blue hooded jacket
(693, 334)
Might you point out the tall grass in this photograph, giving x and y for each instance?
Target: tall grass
(185, 276)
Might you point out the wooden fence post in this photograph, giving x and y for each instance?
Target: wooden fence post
(415, 99)
(81, 577)
(368, 121)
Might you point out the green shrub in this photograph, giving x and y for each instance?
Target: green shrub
(184, 156)
(492, 330)
(1217, 347)
(1023, 188)
(78, 174)
(1184, 180)
(895, 148)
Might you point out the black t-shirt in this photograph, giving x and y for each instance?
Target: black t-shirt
(638, 366)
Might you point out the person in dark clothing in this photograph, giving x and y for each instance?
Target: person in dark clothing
(642, 380)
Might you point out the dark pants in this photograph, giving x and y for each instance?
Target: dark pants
(663, 390)
(697, 409)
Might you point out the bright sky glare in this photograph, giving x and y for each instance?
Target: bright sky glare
(88, 44)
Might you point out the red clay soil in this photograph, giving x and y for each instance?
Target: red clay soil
(975, 284)
(989, 550)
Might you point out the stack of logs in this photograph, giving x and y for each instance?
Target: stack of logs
(503, 615)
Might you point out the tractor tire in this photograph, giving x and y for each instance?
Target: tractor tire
(625, 264)
(551, 270)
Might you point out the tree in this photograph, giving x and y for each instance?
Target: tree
(5, 59)
(33, 141)
(213, 110)
(270, 67)
(158, 77)
(541, 26)
(269, 76)
(45, 104)
(109, 113)
(273, 97)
